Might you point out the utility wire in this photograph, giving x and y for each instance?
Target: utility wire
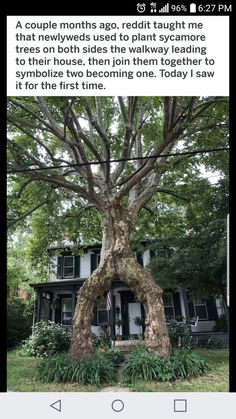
(65, 166)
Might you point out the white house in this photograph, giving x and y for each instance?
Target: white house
(56, 298)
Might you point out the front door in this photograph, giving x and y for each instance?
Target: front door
(134, 310)
(129, 310)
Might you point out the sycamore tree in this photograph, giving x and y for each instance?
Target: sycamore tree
(103, 160)
(192, 253)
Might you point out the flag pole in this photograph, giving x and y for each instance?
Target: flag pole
(111, 316)
(109, 306)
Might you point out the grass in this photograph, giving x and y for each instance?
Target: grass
(21, 371)
(216, 380)
(20, 377)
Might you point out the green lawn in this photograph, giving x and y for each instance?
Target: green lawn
(21, 376)
(216, 380)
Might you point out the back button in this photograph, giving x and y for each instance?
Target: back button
(56, 405)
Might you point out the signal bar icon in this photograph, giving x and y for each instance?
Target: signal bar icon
(165, 9)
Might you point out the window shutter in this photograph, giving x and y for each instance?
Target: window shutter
(58, 311)
(93, 261)
(77, 266)
(152, 254)
(177, 306)
(211, 308)
(59, 266)
(191, 309)
(140, 258)
(94, 320)
(190, 306)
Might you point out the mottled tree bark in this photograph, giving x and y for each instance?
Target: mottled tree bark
(117, 261)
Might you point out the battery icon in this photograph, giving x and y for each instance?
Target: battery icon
(193, 8)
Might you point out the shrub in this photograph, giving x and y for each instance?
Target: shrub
(96, 369)
(142, 365)
(221, 324)
(179, 334)
(114, 355)
(215, 343)
(48, 339)
(188, 364)
(19, 321)
(210, 343)
(100, 342)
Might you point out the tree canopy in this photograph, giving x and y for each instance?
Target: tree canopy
(193, 252)
(70, 133)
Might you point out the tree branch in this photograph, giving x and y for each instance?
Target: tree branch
(126, 153)
(81, 157)
(84, 137)
(87, 208)
(123, 110)
(54, 180)
(173, 193)
(35, 115)
(166, 124)
(100, 130)
(138, 153)
(146, 168)
(14, 221)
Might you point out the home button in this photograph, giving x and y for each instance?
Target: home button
(117, 405)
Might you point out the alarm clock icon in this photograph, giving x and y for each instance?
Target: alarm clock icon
(141, 7)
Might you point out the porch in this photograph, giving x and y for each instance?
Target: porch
(56, 301)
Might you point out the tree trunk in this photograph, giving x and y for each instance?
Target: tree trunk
(117, 261)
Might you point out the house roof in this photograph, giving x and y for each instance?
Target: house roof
(59, 283)
(68, 244)
(67, 284)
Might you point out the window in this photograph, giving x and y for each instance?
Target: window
(66, 308)
(95, 259)
(102, 316)
(69, 267)
(169, 306)
(200, 308)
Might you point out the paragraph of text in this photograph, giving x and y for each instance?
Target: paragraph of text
(123, 55)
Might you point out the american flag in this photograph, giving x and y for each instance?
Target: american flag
(108, 301)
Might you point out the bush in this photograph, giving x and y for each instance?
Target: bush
(215, 343)
(19, 322)
(48, 339)
(179, 334)
(100, 342)
(114, 355)
(96, 369)
(221, 324)
(142, 365)
(210, 343)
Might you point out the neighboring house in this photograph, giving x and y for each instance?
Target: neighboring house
(56, 298)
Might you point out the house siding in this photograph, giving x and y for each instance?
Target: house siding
(83, 267)
(204, 326)
(146, 258)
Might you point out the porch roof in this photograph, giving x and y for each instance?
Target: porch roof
(68, 284)
(65, 284)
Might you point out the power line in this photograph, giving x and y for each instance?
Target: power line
(65, 166)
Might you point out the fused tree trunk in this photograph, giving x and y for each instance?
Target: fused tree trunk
(117, 261)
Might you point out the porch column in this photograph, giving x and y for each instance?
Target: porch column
(50, 306)
(111, 316)
(38, 314)
(185, 301)
(74, 292)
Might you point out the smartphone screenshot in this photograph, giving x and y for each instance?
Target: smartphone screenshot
(118, 217)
